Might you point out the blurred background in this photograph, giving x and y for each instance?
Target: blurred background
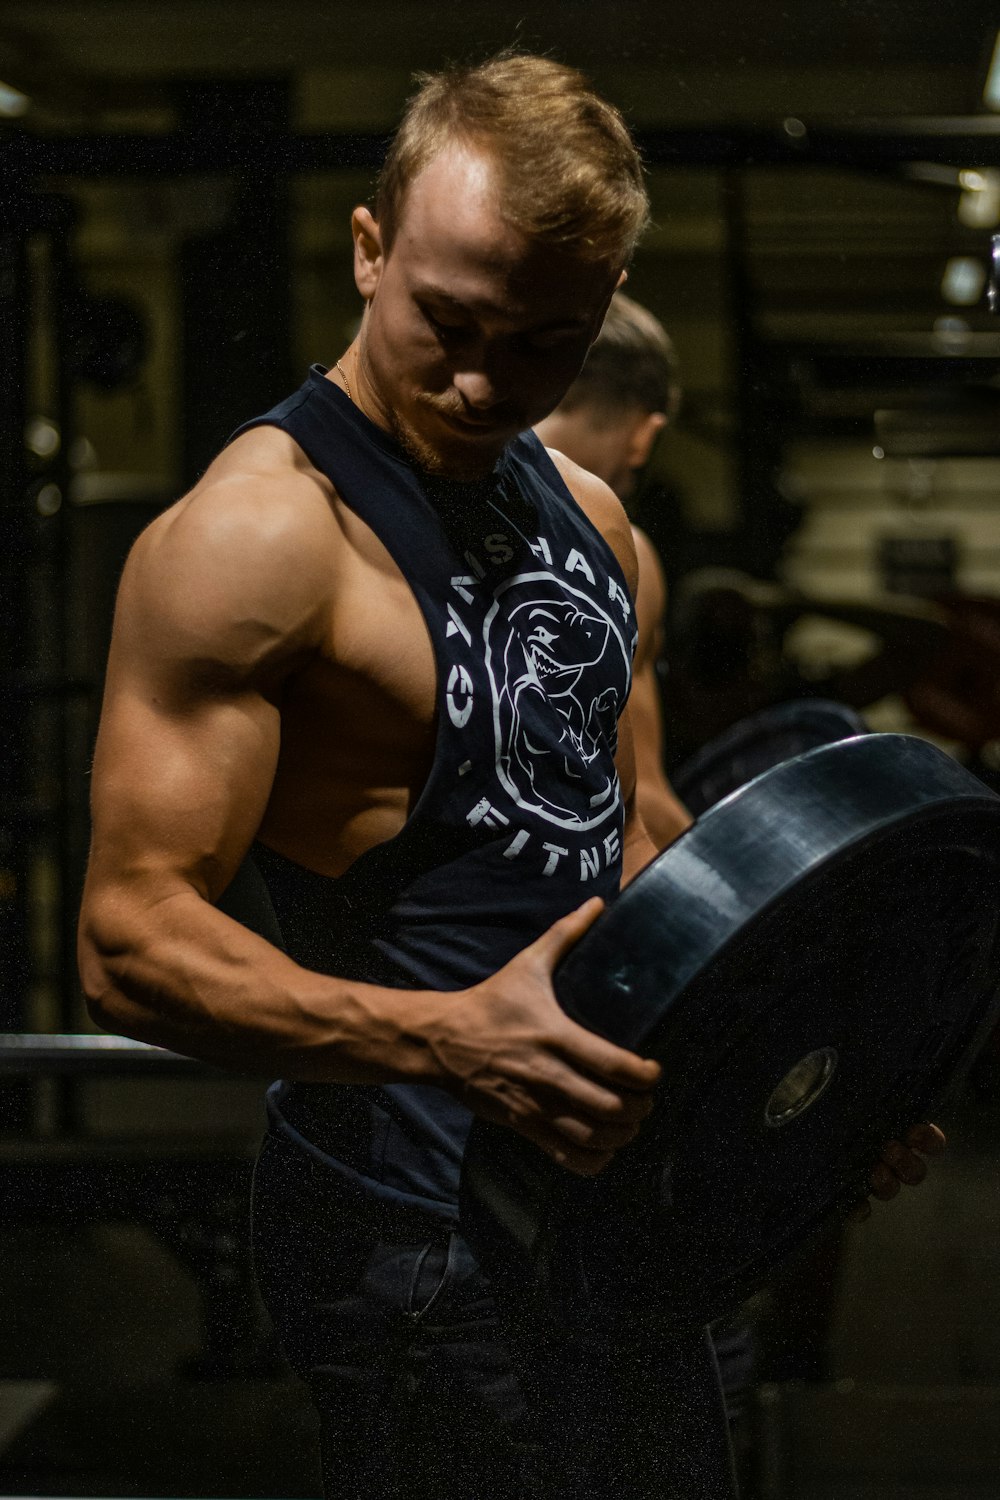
(176, 182)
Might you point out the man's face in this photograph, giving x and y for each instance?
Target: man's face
(472, 332)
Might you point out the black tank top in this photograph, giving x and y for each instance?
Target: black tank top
(521, 817)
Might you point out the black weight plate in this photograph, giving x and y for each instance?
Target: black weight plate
(841, 909)
(758, 742)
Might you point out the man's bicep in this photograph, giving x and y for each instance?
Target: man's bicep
(189, 731)
(222, 598)
(180, 783)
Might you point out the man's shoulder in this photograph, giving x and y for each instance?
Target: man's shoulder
(263, 479)
(247, 557)
(259, 498)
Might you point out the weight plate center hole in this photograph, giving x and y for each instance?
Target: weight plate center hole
(801, 1086)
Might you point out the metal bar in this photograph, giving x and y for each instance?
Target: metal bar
(32, 1054)
(872, 144)
(208, 151)
(68, 858)
(16, 546)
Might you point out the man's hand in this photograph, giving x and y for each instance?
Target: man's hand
(513, 1056)
(899, 1166)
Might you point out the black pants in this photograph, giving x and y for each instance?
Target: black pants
(426, 1393)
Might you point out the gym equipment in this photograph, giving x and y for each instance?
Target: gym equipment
(815, 965)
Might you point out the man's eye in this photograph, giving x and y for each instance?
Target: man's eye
(548, 343)
(444, 330)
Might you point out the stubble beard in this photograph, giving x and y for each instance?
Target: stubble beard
(432, 461)
(422, 453)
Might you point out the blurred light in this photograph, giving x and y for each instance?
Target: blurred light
(48, 500)
(963, 280)
(42, 437)
(979, 205)
(13, 104)
(794, 127)
(951, 327)
(951, 334)
(991, 93)
(932, 171)
(82, 454)
(878, 452)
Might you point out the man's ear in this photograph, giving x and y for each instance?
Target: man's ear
(368, 256)
(644, 434)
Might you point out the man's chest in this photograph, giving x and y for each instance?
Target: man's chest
(503, 667)
(498, 616)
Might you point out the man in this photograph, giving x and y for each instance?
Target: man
(608, 421)
(380, 639)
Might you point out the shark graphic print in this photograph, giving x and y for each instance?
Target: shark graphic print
(558, 665)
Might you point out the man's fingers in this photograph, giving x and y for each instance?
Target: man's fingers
(883, 1182)
(582, 1049)
(595, 1137)
(901, 1158)
(906, 1165)
(584, 1160)
(577, 1122)
(583, 1163)
(577, 1096)
(614, 1066)
(926, 1138)
(900, 1166)
(597, 1100)
(562, 935)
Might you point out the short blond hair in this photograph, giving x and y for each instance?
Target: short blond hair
(632, 364)
(571, 175)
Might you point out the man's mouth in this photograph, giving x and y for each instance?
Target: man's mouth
(474, 426)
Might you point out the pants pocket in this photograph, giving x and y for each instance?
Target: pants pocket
(433, 1271)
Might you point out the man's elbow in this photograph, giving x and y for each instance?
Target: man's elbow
(99, 992)
(664, 816)
(104, 944)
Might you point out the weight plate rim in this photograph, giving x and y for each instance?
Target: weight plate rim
(685, 917)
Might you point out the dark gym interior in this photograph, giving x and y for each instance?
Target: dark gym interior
(176, 184)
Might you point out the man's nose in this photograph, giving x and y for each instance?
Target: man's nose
(480, 388)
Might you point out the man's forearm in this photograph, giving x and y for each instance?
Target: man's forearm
(637, 850)
(664, 815)
(182, 975)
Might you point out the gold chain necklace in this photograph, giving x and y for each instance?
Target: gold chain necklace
(347, 383)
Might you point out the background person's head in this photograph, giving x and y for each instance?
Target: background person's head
(626, 393)
(509, 205)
